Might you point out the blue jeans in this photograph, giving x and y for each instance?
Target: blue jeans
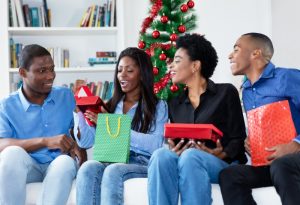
(17, 168)
(189, 174)
(99, 183)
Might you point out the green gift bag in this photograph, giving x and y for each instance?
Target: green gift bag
(112, 140)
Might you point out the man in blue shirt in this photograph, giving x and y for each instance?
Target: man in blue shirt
(265, 84)
(35, 142)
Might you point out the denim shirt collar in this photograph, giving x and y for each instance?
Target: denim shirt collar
(119, 107)
(267, 73)
(26, 104)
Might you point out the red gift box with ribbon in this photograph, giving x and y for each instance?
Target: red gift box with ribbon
(85, 100)
(192, 131)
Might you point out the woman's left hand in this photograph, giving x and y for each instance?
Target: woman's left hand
(218, 151)
(92, 116)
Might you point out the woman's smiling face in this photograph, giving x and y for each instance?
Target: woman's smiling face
(128, 75)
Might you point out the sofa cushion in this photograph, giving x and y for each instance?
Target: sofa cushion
(135, 193)
(33, 190)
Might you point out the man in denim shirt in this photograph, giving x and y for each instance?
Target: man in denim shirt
(265, 84)
(35, 122)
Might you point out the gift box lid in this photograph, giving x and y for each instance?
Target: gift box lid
(85, 97)
(83, 91)
(89, 100)
(192, 131)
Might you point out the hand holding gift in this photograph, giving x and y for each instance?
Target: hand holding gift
(89, 104)
(179, 147)
(192, 131)
(218, 151)
(271, 131)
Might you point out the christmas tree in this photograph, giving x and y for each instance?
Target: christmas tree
(167, 20)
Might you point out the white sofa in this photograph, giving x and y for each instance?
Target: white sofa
(135, 193)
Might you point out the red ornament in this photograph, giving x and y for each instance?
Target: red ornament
(184, 8)
(154, 9)
(190, 4)
(173, 37)
(155, 89)
(148, 52)
(181, 28)
(165, 82)
(164, 19)
(155, 70)
(155, 34)
(174, 88)
(141, 44)
(162, 57)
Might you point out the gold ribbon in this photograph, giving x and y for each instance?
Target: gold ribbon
(108, 128)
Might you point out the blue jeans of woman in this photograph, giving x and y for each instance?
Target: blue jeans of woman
(189, 175)
(17, 168)
(99, 183)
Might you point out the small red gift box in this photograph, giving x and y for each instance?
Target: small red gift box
(85, 100)
(192, 131)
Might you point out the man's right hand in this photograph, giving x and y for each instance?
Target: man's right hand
(62, 142)
(247, 146)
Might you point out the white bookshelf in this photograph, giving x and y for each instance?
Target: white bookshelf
(96, 69)
(61, 31)
(64, 33)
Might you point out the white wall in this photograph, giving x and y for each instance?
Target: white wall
(222, 21)
(286, 32)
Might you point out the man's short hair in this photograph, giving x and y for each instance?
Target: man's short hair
(263, 42)
(29, 52)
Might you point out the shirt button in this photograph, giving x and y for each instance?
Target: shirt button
(253, 89)
(46, 125)
(253, 106)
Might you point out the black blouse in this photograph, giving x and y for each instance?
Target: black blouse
(219, 105)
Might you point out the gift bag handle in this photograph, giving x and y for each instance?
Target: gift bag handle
(108, 128)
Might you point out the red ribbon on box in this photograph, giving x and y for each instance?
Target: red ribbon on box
(192, 131)
(85, 100)
(269, 125)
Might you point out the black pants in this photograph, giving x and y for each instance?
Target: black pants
(237, 181)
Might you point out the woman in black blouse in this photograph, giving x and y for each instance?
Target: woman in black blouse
(190, 167)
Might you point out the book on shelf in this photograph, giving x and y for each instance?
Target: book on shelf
(85, 18)
(16, 83)
(106, 54)
(103, 57)
(46, 13)
(34, 11)
(13, 14)
(91, 16)
(100, 15)
(103, 89)
(102, 60)
(109, 91)
(66, 57)
(27, 15)
(113, 13)
(15, 51)
(60, 56)
(22, 15)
